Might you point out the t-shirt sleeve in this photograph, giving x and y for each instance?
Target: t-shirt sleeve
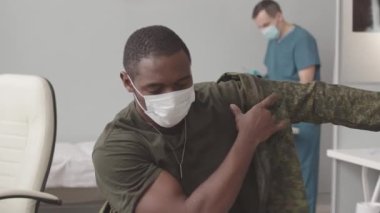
(123, 172)
(306, 53)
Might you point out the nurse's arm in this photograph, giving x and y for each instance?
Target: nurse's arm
(307, 75)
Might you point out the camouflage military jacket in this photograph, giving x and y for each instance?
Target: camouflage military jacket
(277, 167)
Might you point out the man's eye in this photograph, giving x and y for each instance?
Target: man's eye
(154, 92)
(181, 86)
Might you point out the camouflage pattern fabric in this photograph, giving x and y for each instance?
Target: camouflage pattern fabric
(278, 171)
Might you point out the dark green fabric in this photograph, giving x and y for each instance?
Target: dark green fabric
(130, 154)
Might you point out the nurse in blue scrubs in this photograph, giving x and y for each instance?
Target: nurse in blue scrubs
(292, 55)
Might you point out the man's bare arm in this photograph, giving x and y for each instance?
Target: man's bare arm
(219, 191)
(307, 75)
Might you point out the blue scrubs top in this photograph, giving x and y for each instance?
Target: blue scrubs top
(295, 51)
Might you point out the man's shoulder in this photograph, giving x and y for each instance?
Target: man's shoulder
(301, 32)
(225, 77)
(119, 129)
(224, 82)
(231, 87)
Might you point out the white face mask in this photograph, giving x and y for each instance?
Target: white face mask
(167, 109)
(271, 32)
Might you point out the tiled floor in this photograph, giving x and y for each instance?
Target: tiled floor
(323, 205)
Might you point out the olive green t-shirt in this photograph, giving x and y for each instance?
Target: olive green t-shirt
(130, 154)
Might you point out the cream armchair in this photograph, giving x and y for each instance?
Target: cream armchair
(27, 137)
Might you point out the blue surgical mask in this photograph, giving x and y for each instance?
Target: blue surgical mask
(271, 32)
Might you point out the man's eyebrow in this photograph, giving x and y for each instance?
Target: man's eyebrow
(184, 78)
(154, 85)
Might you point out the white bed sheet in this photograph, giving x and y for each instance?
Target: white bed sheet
(72, 166)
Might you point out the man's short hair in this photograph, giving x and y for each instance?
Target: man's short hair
(270, 7)
(149, 41)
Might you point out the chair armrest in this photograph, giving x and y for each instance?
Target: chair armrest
(36, 195)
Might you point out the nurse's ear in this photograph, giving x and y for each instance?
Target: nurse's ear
(126, 81)
(280, 17)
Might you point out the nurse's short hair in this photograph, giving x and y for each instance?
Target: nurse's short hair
(149, 41)
(270, 7)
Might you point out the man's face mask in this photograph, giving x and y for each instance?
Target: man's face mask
(167, 109)
(271, 32)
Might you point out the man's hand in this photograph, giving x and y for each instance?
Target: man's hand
(258, 123)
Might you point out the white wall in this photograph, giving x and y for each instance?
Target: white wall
(358, 67)
(78, 45)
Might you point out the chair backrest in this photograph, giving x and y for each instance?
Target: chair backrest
(27, 136)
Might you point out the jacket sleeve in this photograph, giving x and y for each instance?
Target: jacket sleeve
(318, 102)
(277, 167)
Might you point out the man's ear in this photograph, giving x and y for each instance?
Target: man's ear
(126, 81)
(280, 17)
